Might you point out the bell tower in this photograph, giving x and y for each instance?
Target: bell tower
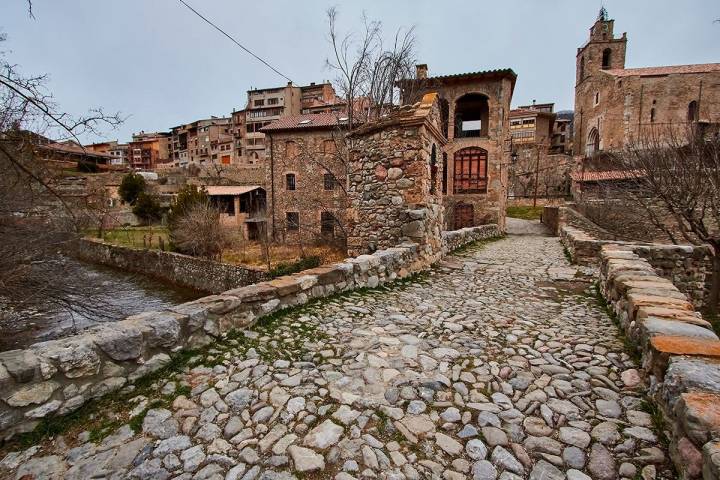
(603, 51)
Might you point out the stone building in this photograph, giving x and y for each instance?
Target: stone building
(615, 106)
(474, 117)
(395, 181)
(305, 177)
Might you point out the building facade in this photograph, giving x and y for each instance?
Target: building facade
(147, 151)
(306, 171)
(474, 111)
(202, 142)
(617, 106)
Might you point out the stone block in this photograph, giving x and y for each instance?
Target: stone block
(156, 362)
(119, 341)
(75, 356)
(21, 364)
(653, 327)
(699, 415)
(258, 292)
(33, 394)
(327, 275)
(686, 374)
(161, 329)
(711, 461)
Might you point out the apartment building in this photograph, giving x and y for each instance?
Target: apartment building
(117, 151)
(202, 141)
(149, 150)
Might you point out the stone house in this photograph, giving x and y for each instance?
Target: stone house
(395, 181)
(306, 168)
(615, 106)
(474, 117)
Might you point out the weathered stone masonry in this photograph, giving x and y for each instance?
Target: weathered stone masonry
(394, 187)
(183, 270)
(57, 377)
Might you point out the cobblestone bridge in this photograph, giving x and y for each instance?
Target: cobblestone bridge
(498, 364)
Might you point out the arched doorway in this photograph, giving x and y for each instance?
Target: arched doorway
(593, 143)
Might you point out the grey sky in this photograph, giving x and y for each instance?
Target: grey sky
(156, 62)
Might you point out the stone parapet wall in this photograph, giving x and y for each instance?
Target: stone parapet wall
(555, 217)
(59, 376)
(452, 240)
(687, 266)
(183, 270)
(680, 353)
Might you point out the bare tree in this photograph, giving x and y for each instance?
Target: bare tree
(199, 232)
(674, 178)
(37, 218)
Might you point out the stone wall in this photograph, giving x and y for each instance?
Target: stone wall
(686, 266)
(454, 239)
(183, 270)
(395, 182)
(557, 216)
(58, 376)
(680, 353)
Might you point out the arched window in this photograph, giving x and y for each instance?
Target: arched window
(471, 116)
(593, 143)
(606, 58)
(470, 170)
(692, 114)
(582, 68)
(433, 169)
(445, 173)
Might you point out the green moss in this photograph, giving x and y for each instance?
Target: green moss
(473, 247)
(524, 212)
(304, 263)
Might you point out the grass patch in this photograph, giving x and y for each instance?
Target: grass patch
(524, 212)
(475, 246)
(658, 420)
(137, 237)
(285, 268)
(630, 346)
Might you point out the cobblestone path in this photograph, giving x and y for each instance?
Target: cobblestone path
(498, 364)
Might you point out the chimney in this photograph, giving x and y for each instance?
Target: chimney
(421, 71)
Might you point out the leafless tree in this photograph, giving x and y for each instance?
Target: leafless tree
(369, 70)
(673, 177)
(37, 218)
(200, 232)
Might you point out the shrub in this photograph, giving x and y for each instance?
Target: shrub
(131, 187)
(187, 197)
(298, 266)
(147, 208)
(199, 232)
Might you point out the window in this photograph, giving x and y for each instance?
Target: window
(433, 169)
(470, 170)
(329, 146)
(606, 58)
(593, 143)
(292, 221)
(273, 101)
(259, 103)
(652, 115)
(329, 181)
(471, 116)
(597, 98)
(291, 149)
(693, 114)
(290, 181)
(327, 223)
(445, 173)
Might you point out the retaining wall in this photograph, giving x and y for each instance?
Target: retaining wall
(688, 267)
(59, 376)
(680, 353)
(183, 270)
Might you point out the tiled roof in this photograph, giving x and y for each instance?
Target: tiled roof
(306, 121)
(72, 147)
(668, 70)
(230, 189)
(480, 73)
(588, 176)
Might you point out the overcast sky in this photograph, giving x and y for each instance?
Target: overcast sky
(157, 63)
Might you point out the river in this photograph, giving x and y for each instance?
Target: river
(106, 295)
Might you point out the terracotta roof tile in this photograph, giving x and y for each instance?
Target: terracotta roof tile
(587, 176)
(306, 121)
(666, 70)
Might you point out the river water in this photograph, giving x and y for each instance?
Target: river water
(106, 295)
